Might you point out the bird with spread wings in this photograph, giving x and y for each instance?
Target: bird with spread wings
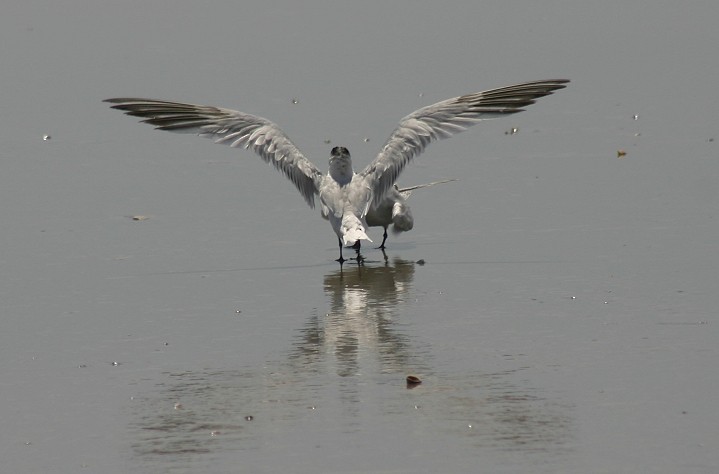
(346, 197)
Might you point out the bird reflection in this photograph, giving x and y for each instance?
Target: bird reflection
(344, 376)
(359, 327)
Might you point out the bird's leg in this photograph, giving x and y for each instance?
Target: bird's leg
(360, 258)
(341, 259)
(384, 239)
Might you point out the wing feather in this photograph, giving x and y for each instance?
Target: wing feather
(443, 120)
(233, 128)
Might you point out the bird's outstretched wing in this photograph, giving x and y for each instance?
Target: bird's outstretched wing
(444, 119)
(233, 128)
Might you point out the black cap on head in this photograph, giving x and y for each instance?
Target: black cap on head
(339, 150)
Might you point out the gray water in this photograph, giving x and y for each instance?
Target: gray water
(564, 320)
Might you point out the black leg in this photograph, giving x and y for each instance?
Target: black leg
(341, 259)
(384, 239)
(357, 246)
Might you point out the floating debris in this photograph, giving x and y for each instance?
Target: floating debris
(249, 418)
(114, 363)
(621, 153)
(366, 140)
(512, 131)
(420, 261)
(413, 380)
(139, 218)
(295, 101)
(636, 117)
(178, 406)
(46, 137)
(327, 141)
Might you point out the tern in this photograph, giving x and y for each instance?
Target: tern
(347, 198)
(394, 210)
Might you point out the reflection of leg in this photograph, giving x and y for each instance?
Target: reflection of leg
(386, 259)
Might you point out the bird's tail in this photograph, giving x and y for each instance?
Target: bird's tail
(352, 230)
(401, 217)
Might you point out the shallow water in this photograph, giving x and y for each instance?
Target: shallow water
(564, 319)
(341, 377)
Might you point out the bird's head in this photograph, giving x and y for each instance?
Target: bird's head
(339, 151)
(341, 164)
